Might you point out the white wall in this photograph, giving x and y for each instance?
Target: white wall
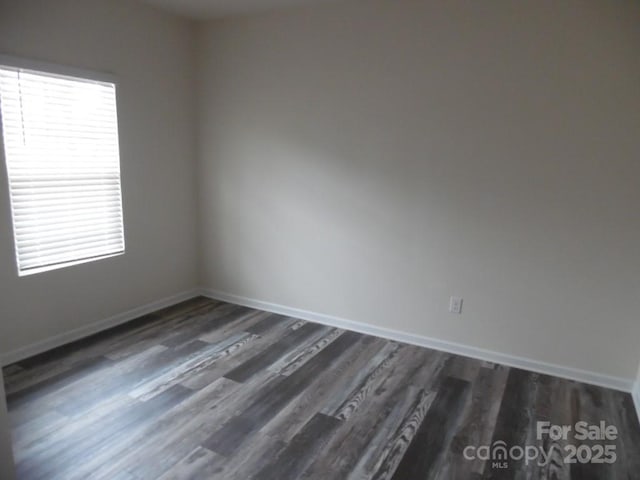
(6, 453)
(636, 393)
(151, 54)
(370, 159)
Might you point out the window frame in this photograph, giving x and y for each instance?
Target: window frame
(63, 71)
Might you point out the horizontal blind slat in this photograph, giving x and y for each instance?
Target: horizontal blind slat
(95, 246)
(65, 209)
(55, 244)
(45, 225)
(62, 192)
(52, 234)
(69, 257)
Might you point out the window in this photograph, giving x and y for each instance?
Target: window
(60, 138)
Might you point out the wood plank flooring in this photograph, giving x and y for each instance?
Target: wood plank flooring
(210, 390)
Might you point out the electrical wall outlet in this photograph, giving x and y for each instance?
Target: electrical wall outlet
(455, 305)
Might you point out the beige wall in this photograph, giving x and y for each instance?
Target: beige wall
(6, 454)
(370, 159)
(150, 53)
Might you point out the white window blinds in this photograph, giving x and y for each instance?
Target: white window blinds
(61, 150)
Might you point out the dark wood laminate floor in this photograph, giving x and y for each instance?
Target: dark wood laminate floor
(209, 390)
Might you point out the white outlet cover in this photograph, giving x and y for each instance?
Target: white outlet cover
(455, 305)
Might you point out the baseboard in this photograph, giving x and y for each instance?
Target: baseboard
(92, 328)
(616, 383)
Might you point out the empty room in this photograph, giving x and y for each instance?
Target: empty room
(319, 239)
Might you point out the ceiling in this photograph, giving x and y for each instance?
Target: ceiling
(207, 9)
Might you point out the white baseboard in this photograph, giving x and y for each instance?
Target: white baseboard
(95, 327)
(616, 383)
